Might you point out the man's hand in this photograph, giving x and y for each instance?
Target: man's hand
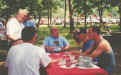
(75, 52)
(62, 48)
(17, 42)
(50, 48)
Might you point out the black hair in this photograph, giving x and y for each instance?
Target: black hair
(77, 33)
(96, 29)
(28, 33)
(82, 31)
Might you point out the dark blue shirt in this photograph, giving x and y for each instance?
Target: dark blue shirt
(29, 23)
(87, 45)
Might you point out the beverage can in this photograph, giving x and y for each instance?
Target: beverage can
(68, 61)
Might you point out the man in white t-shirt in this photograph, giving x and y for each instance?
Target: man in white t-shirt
(14, 25)
(26, 58)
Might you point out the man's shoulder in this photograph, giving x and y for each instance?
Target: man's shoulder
(62, 38)
(103, 43)
(48, 38)
(34, 48)
(38, 48)
(12, 20)
(14, 48)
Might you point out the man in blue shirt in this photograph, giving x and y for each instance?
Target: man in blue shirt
(29, 22)
(87, 45)
(54, 42)
(80, 40)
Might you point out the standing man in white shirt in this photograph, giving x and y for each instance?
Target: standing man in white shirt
(15, 25)
(26, 58)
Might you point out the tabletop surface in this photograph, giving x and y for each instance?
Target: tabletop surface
(72, 69)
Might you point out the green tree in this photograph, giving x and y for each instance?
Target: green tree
(14, 5)
(65, 7)
(117, 3)
(3, 6)
(83, 7)
(51, 6)
(101, 6)
(71, 16)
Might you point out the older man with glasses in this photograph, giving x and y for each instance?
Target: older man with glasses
(15, 25)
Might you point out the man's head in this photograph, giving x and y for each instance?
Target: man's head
(95, 34)
(89, 30)
(54, 32)
(83, 37)
(79, 35)
(22, 14)
(76, 35)
(28, 17)
(96, 29)
(28, 34)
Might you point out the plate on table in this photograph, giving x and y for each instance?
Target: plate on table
(89, 66)
(65, 67)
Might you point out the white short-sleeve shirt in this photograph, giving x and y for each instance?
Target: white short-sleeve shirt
(26, 59)
(14, 28)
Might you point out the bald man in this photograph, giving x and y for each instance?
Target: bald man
(14, 25)
(55, 42)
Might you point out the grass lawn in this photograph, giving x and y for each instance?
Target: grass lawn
(44, 32)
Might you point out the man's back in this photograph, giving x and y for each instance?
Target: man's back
(25, 59)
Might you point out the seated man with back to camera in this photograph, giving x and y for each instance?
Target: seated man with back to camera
(54, 42)
(26, 58)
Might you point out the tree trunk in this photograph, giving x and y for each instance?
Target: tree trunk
(85, 12)
(39, 18)
(38, 21)
(71, 18)
(100, 11)
(77, 20)
(85, 23)
(48, 17)
(65, 15)
(120, 16)
(100, 14)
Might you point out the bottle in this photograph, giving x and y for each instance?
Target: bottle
(68, 61)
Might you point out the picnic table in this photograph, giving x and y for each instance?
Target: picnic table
(57, 69)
